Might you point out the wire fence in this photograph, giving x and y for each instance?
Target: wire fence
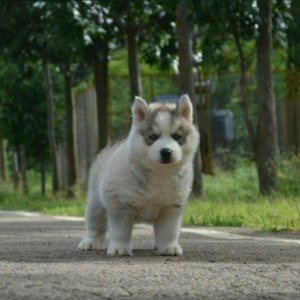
(224, 96)
(224, 136)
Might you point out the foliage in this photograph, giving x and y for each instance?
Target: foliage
(240, 18)
(23, 110)
(23, 115)
(293, 35)
(118, 65)
(154, 21)
(99, 33)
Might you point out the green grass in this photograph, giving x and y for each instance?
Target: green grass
(34, 201)
(231, 199)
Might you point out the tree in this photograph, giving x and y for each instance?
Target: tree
(66, 43)
(293, 35)
(100, 70)
(267, 145)
(130, 16)
(23, 118)
(139, 21)
(244, 102)
(51, 128)
(159, 38)
(186, 79)
(99, 32)
(25, 33)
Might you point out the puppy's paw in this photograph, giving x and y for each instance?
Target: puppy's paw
(119, 251)
(89, 244)
(170, 250)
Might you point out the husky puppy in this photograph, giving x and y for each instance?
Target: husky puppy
(144, 178)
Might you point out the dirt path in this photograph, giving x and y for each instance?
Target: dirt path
(39, 260)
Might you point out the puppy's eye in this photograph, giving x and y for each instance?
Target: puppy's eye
(153, 137)
(176, 137)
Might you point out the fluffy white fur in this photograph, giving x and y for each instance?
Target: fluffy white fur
(129, 184)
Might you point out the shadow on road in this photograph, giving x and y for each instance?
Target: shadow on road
(48, 241)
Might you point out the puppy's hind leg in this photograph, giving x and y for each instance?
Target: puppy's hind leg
(95, 225)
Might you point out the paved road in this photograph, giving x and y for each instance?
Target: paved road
(39, 260)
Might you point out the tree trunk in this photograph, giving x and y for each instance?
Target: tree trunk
(24, 169)
(267, 144)
(43, 176)
(72, 157)
(186, 81)
(133, 60)
(3, 166)
(15, 169)
(244, 103)
(100, 69)
(51, 128)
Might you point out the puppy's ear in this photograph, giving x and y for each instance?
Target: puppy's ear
(185, 108)
(139, 109)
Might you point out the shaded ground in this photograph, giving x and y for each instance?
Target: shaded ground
(39, 260)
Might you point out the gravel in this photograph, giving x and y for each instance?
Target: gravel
(39, 260)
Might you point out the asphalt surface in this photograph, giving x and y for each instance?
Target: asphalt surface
(39, 260)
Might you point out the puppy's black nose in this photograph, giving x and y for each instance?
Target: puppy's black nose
(165, 153)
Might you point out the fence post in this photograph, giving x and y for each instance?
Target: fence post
(250, 148)
(288, 90)
(95, 119)
(297, 103)
(87, 154)
(283, 104)
(209, 139)
(294, 107)
(151, 88)
(3, 160)
(109, 109)
(15, 168)
(76, 137)
(201, 123)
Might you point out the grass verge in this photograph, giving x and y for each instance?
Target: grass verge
(57, 204)
(231, 199)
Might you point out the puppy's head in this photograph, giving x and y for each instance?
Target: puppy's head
(163, 134)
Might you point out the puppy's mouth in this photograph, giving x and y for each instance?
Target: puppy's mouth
(166, 160)
(165, 163)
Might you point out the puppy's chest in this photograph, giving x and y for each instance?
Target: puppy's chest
(157, 195)
(160, 191)
(159, 188)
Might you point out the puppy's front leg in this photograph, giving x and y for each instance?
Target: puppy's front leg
(120, 222)
(167, 230)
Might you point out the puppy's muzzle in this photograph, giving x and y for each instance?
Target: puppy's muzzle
(165, 155)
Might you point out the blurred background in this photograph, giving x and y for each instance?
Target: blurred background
(69, 71)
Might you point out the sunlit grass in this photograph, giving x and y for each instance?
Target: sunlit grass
(231, 199)
(265, 213)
